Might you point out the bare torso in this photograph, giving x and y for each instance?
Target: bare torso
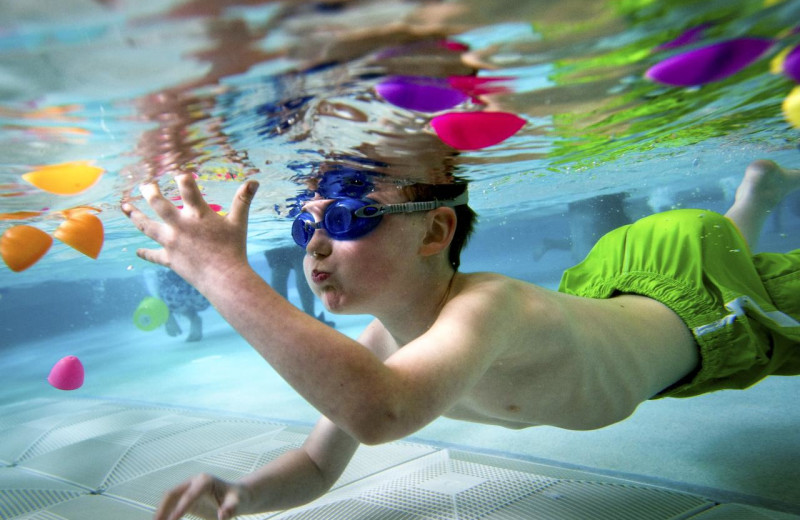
(571, 362)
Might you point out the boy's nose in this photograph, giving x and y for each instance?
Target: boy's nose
(319, 245)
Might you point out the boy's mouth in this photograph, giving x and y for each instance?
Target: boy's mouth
(319, 276)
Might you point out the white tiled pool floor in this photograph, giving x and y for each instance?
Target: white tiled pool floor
(96, 459)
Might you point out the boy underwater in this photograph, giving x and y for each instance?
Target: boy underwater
(672, 305)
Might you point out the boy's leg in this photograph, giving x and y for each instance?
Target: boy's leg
(764, 185)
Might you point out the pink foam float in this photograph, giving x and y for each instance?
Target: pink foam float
(476, 130)
(710, 63)
(475, 86)
(67, 374)
(422, 48)
(419, 93)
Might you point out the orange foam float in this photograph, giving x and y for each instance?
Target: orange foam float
(83, 232)
(23, 246)
(19, 215)
(66, 178)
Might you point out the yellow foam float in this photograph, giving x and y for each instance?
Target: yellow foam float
(791, 107)
(23, 246)
(83, 232)
(66, 178)
(776, 63)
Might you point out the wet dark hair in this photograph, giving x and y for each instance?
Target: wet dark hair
(465, 217)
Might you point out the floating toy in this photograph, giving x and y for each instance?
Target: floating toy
(776, 63)
(19, 215)
(67, 374)
(150, 314)
(420, 93)
(791, 64)
(23, 246)
(66, 178)
(708, 64)
(791, 107)
(475, 130)
(474, 86)
(82, 231)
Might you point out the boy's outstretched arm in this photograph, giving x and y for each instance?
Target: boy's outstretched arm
(293, 479)
(371, 399)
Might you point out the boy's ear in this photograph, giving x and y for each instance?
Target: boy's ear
(440, 228)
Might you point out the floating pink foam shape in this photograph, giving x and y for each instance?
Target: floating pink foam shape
(475, 130)
(475, 86)
(67, 374)
(420, 93)
(791, 64)
(711, 63)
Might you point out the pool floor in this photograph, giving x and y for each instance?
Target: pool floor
(91, 458)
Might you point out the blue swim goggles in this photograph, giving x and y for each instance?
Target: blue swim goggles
(349, 218)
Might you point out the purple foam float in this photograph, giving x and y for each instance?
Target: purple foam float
(476, 130)
(419, 93)
(710, 63)
(791, 64)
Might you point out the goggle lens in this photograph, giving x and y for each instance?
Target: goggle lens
(339, 221)
(303, 228)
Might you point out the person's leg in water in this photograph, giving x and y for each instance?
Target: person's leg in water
(280, 272)
(171, 326)
(303, 289)
(195, 326)
(764, 185)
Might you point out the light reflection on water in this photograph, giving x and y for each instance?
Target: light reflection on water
(282, 92)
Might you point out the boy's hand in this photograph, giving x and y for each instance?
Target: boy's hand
(202, 495)
(197, 243)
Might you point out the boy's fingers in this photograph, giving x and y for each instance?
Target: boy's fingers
(240, 207)
(190, 193)
(228, 507)
(167, 505)
(138, 218)
(197, 486)
(155, 256)
(163, 208)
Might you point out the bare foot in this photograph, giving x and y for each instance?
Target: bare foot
(764, 185)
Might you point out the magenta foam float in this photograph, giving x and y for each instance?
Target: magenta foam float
(710, 63)
(67, 374)
(475, 130)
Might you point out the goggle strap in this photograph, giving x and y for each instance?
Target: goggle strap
(377, 210)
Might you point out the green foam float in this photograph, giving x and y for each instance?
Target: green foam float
(150, 314)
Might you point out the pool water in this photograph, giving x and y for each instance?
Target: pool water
(283, 92)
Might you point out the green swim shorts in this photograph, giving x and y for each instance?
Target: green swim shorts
(743, 309)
